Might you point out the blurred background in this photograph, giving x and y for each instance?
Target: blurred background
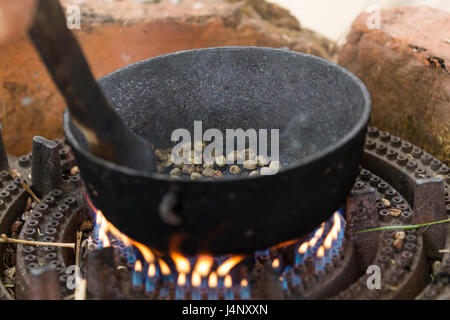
(333, 18)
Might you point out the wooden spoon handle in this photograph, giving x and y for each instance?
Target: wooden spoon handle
(106, 134)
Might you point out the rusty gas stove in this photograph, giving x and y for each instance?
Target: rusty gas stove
(399, 184)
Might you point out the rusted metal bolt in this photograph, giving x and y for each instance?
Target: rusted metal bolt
(426, 158)
(24, 161)
(370, 145)
(70, 201)
(64, 208)
(30, 257)
(396, 141)
(49, 239)
(49, 200)
(4, 176)
(75, 179)
(435, 164)
(365, 175)
(385, 136)
(5, 196)
(33, 223)
(359, 185)
(18, 182)
(417, 153)
(381, 149)
(382, 187)
(51, 256)
(63, 152)
(29, 249)
(385, 215)
(43, 208)
(50, 231)
(410, 238)
(411, 247)
(406, 147)
(372, 132)
(402, 160)
(444, 170)
(12, 189)
(57, 215)
(56, 193)
(406, 216)
(54, 224)
(392, 154)
(390, 194)
(411, 166)
(36, 216)
(374, 181)
(420, 173)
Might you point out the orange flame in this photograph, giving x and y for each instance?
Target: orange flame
(312, 242)
(328, 241)
(203, 265)
(151, 270)
(303, 248)
(229, 264)
(181, 279)
(228, 281)
(165, 270)
(276, 263)
(212, 281)
(244, 283)
(320, 252)
(181, 263)
(138, 266)
(196, 279)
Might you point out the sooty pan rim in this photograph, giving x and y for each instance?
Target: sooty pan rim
(361, 123)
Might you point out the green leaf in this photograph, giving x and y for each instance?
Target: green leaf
(407, 227)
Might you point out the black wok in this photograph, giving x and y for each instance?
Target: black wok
(322, 112)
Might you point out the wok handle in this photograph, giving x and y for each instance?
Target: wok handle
(90, 111)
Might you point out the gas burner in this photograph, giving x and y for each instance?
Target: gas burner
(399, 184)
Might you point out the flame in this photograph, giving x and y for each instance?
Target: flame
(138, 266)
(145, 251)
(284, 244)
(229, 264)
(151, 270)
(181, 263)
(196, 279)
(165, 270)
(319, 232)
(181, 279)
(244, 283)
(303, 248)
(228, 281)
(328, 241)
(320, 252)
(212, 281)
(313, 242)
(203, 265)
(276, 263)
(334, 233)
